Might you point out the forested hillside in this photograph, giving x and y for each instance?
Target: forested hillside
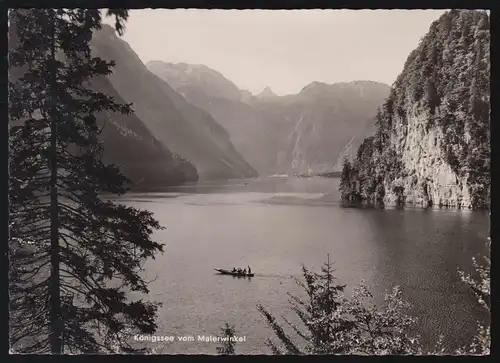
(432, 140)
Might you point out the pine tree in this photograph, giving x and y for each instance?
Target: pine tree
(227, 347)
(74, 256)
(380, 133)
(345, 180)
(432, 95)
(320, 314)
(335, 324)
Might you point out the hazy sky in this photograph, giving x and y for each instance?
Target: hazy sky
(283, 49)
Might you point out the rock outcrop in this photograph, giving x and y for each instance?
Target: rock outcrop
(432, 142)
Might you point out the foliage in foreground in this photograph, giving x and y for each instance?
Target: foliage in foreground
(480, 284)
(73, 256)
(227, 347)
(334, 324)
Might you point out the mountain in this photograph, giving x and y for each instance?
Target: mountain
(285, 134)
(323, 119)
(267, 93)
(141, 157)
(127, 142)
(184, 77)
(178, 125)
(246, 96)
(432, 140)
(253, 132)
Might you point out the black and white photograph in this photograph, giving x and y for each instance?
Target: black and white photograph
(249, 182)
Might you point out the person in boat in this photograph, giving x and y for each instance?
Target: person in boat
(249, 270)
(244, 271)
(239, 270)
(234, 269)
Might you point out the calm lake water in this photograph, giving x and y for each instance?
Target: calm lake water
(275, 225)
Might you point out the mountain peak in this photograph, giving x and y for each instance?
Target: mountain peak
(185, 77)
(320, 89)
(313, 86)
(267, 92)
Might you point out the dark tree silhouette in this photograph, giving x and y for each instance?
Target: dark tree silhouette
(335, 324)
(318, 315)
(227, 347)
(345, 180)
(74, 255)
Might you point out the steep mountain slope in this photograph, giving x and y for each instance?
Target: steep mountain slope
(257, 135)
(183, 128)
(432, 143)
(128, 143)
(286, 134)
(141, 157)
(323, 120)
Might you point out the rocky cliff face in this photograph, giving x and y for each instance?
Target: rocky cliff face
(427, 177)
(296, 133)
(178, 125)
(432, 140)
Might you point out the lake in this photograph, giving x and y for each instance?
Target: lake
(275, 224)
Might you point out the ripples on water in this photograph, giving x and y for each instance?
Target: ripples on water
(275, 225)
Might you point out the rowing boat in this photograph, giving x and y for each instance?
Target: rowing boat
(227, 272)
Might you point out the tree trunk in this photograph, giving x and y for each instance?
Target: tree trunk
(54, 283)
